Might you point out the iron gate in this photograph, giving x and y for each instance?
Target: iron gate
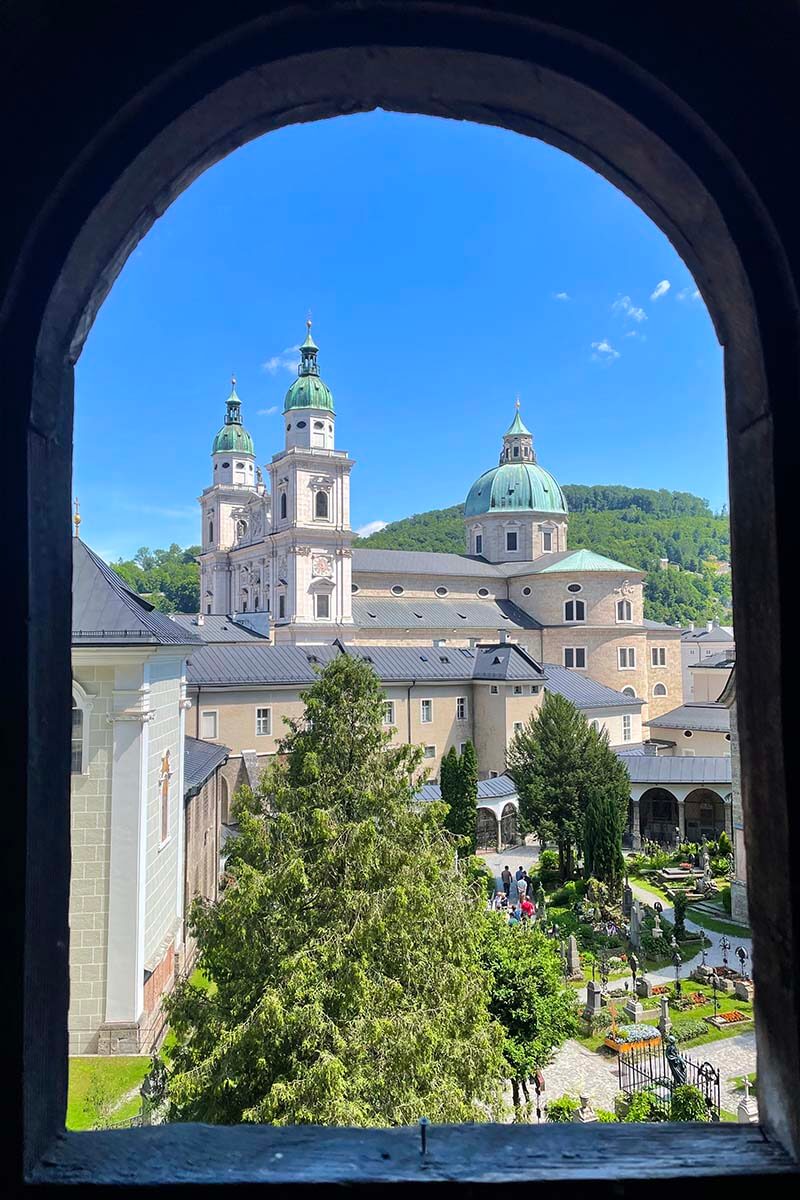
(647, 1069)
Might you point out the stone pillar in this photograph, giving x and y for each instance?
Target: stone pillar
(682, 817)
(585, 1112)
(499, 833)
(636, 832)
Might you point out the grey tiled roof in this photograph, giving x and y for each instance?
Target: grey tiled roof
(200, 761)
(665, 769)
(713, 718)
(715, 661)
(445, 614)
(716, 634)
(216, 628)
(585, 692)
(488, 789)
(258, 663)
(105, 611)
(420, 562)
(648, 624)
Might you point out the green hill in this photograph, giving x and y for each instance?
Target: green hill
(632, 525)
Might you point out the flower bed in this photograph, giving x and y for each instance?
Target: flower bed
(632, 1037)
(658, 989)
(725, 1019)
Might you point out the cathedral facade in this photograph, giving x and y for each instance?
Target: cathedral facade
(281, 557)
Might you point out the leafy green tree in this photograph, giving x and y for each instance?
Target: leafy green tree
(680, 903)
(548, 762)
(345, 950)
(529, 998)
(170, 579)
(606, 815)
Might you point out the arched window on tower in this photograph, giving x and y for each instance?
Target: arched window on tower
(211, 529)
(77, 739)
(321, 506)
(624, 611)
(283, 506)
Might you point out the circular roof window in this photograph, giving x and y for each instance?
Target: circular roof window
(688, 733)
(574, 587)
(397, 590)
(526, 591)
(301, 424)
(441, 590)
(225, 465)
(354, 588)
(483, 592)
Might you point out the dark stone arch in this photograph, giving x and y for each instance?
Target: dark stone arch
(658, 815)
(707, 815)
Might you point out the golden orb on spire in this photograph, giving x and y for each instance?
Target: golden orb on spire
(76, 520)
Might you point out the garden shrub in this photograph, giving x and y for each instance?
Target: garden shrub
(688, 1104)
(604, 1115)
(600, 1021)
(645, 1106)
(725, 895)
(686, 1031)
(724, 846)
(561, 1110)
(569, 894)
(719, 866)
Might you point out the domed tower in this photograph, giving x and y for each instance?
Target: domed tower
(308, 407)
(233, 454)
(516, 511)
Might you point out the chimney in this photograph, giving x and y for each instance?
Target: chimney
(663, 563)
(503, 635)
(201, 620)
(709, 626)
(691, 627)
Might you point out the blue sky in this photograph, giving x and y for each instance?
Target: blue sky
(448, 267)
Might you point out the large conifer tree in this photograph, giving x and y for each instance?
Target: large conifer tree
(608, 790)
(345, 953)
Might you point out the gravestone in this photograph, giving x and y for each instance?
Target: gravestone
(594, 997)
(634, 1010)
(585, 1112)
(644, 987)
(574, 968)
(627, 899)
(657, 930)
(747, 1110)
(743, 989)
(635, 934)
(664, 1018)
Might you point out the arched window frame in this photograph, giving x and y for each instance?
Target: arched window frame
(624, 607)
(83, 702)
(322, 499)
(660, 690)
(283, 506)
(574, 611)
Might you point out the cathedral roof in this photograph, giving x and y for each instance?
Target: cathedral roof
(517, 426)
(515, 487)
(308, 390)
(385, 612)
(233, 438)
(582, 560)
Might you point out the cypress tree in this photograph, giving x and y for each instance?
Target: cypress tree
(468, 772)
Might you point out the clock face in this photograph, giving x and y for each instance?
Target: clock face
(321, 566)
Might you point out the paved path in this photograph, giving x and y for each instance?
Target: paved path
(713, 952)
(525, 856)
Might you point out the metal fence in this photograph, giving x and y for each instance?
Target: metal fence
(647, 1068)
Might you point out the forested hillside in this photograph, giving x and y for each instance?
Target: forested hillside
(632, 525)
(170, 579)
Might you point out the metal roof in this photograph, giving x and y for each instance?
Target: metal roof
(648, 624)
(711, 717)
(717, 633)
(419, 562)
(217, 628)
(106, 611)
(224, 665)
(716, 661)
(200, 761)
(500, 788)
(661, 769)
(390, 613)
(585, 692)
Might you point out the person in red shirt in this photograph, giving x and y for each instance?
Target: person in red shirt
(527, 909)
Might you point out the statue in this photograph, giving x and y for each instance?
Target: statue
(259, 476)
(674, 1061)
(633, 963)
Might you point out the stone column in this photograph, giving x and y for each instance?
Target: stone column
(682, 816)
(636, 832)
(498, 819)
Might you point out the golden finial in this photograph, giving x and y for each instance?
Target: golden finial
(516, 402)
(76, 520)
(233, 381)
(308, 320)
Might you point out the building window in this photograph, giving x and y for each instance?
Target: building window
(322, 603)
(211, 530)
(354, 588)
(281, 607)
(283, 506)
(493, 774)
(687, 733)
(209, 723)
(594, 725)
(626, 727)
(208, 610)
(547, 541)
(388, 712)
(483, 593)
(430, 752)
(76, 766)
(441, 590)
(426, 711)
(574, 610)
(626, 658)
(624, 611)
(321, 506)
(658, 656)
(516, 452)
(659, 690)
(494, 690)
(166, 775)
(526, 591)
(263, 722)
(517, 689)
(461, 708)
(574, 587)
(575, 656)
(462, 747)
(629, 691)
(535, 689)
(397, 590)
(479, 543)
(517, 727)
(511, 539)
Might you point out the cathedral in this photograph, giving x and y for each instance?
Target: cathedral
(279, 557)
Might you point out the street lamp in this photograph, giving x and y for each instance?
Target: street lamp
(724, 945)
(677, 961)
(703, 946)
(742, 955)
(604, 972)
(715, 990)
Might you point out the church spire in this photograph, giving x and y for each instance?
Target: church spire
(308, 354)
(517, 441)
(233, 406)
(76, 520)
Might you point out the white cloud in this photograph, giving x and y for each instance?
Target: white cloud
(660, 289)
(268, 412)
(687, 293)
(561, 296)
(604, 351)
(370, 527)
(624, 305)
(632, 333)
(286, 361)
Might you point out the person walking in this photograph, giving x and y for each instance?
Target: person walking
(522, 887)
(505, 876)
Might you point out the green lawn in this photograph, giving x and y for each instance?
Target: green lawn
(718, 924)
(654, 890)
(197, 979)
(724, 1004)
(106, 1080)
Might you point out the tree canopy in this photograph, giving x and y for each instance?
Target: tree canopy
(458, 779)
(170, 579)
(346, 950)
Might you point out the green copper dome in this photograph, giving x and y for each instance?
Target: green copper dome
(308, 390)
(515, 487)
(233, 438)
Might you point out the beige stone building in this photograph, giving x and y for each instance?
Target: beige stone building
(695, 729)
(283, 561)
